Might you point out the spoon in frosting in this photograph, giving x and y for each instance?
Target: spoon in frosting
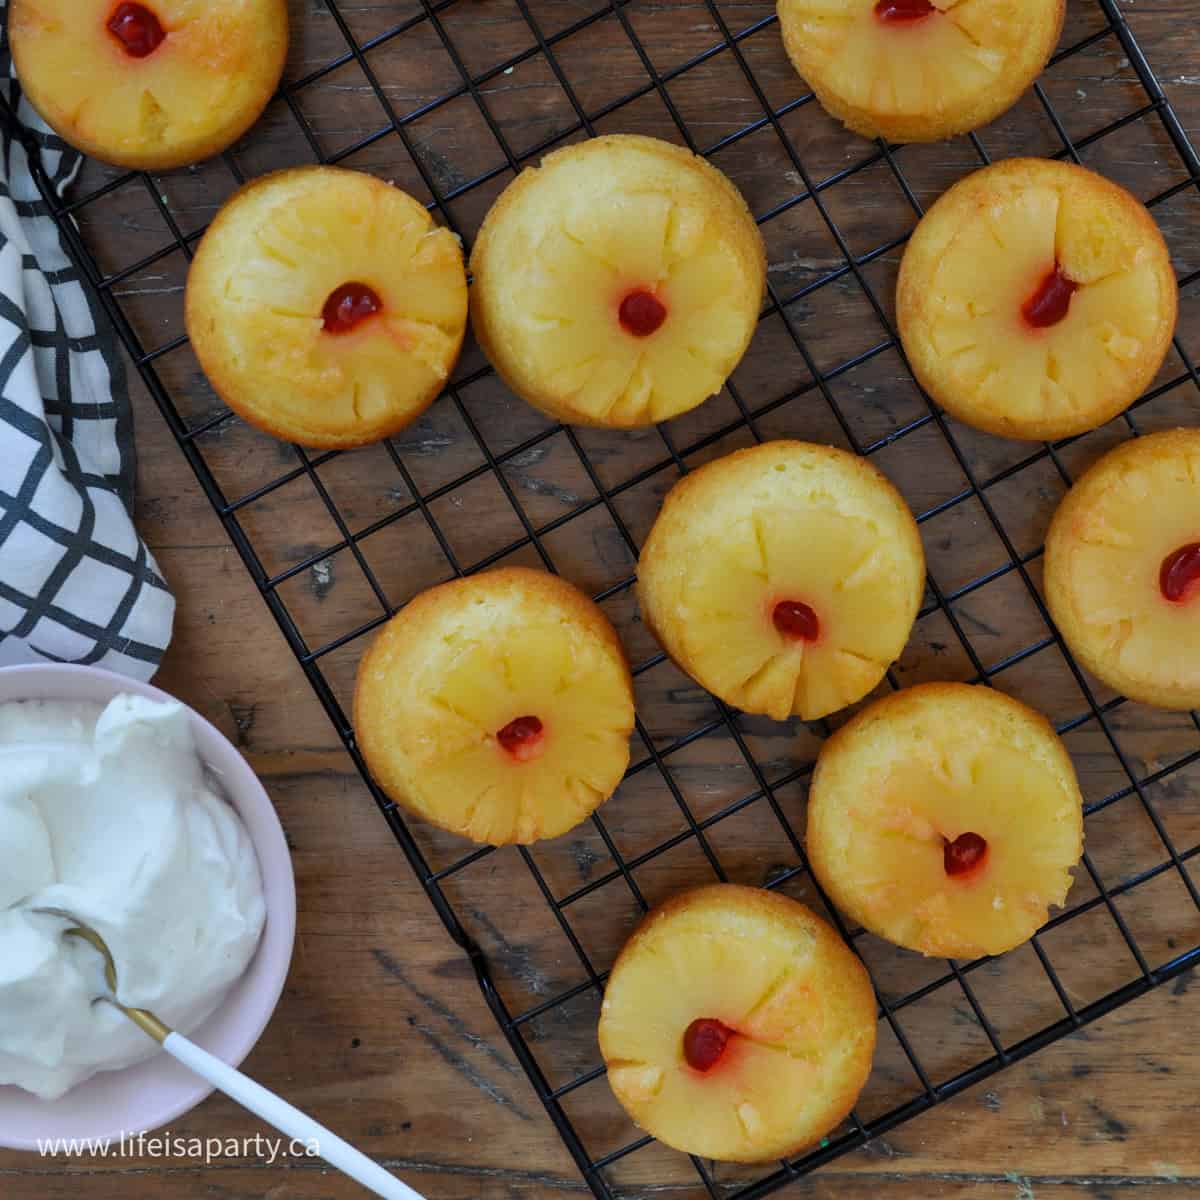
(271, 1108)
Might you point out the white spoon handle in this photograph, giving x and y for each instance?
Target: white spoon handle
(291, 1121)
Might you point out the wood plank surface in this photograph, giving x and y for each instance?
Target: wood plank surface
(381, 1032)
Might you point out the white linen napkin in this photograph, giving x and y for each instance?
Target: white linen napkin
(77, 584)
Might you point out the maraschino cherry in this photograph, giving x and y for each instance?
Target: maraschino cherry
(522, 738)
(796, 620)
(348, 306)
(704, 1043)
(1179, 578)
(897, 11)
(964, 854)
(1052, 300)
(641, 313)
(137, 29)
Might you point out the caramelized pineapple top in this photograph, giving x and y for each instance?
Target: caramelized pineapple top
(326, 306)
(618, 283)
(793, 1005)
(898, 790)
(785, 578)
(498, 706)
(1121, 559)
(150, 85)
(1036, 299)
(919, 70)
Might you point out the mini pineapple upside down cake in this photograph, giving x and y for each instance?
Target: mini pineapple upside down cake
(737, 1025)
(151, 85)
(619, 283)
(1036, 299)
(946, 818)
(499, 706)
(326, 307)
(784, 578)
(1123, 569)
(919, 70)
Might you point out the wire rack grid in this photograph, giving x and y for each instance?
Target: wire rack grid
(482, 480)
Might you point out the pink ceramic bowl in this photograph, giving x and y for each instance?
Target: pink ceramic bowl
(160, 1090)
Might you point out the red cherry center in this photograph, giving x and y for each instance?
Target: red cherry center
(895, 11)
(137, 29)
(795, 620)
(1179, 578)
(642, 313)
(350, 305)
(963, 854)
(522, 738)
(1050, 303)
(704, 1043)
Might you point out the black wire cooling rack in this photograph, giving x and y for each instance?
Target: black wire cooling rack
(451, 102)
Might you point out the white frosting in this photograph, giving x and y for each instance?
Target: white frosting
(108, 814)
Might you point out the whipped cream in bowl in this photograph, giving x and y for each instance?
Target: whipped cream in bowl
(125, 808)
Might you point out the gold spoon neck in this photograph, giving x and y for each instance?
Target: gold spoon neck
(146, 1021)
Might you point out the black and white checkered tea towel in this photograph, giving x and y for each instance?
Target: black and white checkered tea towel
(77, 584)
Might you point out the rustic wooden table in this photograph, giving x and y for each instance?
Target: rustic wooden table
(381, 1032)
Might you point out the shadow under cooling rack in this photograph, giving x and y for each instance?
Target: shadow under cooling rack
(450, 107)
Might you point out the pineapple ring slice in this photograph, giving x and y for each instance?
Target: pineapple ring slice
(1111, 542)
(797, 1005)
(935, 69)
(570, 244)
(781, 525)
(190, 96)
(499, 707)
(265, 281)
(986, 336)
(904, 781)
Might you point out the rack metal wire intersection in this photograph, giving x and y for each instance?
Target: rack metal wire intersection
(711, 793)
